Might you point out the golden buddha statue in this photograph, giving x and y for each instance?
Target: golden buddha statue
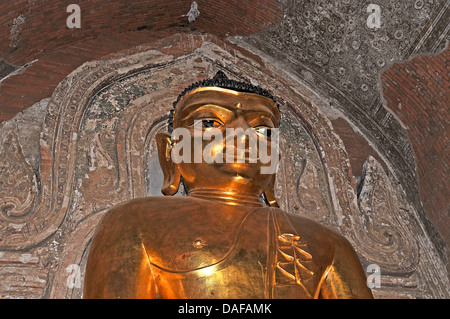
(227, 238)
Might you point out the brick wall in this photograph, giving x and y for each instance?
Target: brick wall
(30, 28)
(417, 91)
(37, 30)
(357, 147)
(38, 80)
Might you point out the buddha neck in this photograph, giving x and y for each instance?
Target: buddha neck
(227, 197)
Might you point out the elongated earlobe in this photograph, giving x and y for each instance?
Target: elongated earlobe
(172, 176)
(269, 193)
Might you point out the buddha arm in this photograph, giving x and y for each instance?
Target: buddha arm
(117, 266)
(345, 278)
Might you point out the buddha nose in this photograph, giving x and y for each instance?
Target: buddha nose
(241, 127)
(239, 121)
(244, 135)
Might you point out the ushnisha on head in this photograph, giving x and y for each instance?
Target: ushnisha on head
(200, 124)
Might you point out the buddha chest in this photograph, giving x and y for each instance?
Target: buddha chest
(256, 253)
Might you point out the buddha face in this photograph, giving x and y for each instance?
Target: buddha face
(222, 140)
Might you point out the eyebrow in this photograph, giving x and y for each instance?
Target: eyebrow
(266, 115)
(201, 107)
(231, 109)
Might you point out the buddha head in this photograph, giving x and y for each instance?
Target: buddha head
(222, 139)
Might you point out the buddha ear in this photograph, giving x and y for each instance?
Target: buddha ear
(172, 176)
(269, 193)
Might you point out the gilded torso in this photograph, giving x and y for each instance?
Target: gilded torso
(197, 248)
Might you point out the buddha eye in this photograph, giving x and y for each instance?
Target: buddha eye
(210, 123)
(264, 131)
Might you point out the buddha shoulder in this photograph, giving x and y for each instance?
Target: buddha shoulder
(152, 203)
(152, 219)
(125, 219)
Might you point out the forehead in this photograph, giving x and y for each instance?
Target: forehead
(225, 98)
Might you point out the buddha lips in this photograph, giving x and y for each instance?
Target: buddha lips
(210, 145)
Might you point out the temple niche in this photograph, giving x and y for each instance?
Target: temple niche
(67, 159)
(96, 148)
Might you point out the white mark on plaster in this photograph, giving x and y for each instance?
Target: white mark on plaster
(15, 31)
(27, 258)
(253, 82)
(17, 227)
(193, 13)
